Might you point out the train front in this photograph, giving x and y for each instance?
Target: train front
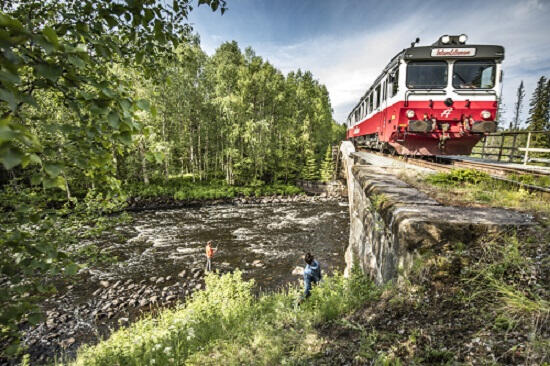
(450, 97)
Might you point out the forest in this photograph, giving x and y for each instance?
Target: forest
(101, 101)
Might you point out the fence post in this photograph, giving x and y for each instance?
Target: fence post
(501, 146)
(483, 147)
(513, 150)
(526, 157)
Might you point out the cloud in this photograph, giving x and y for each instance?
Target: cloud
(348, 58)
(348, 63)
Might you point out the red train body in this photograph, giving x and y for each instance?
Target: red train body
(415, 108)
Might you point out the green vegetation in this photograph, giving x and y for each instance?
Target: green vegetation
(458, 176)
(102, 100)
(183, 188)
(327, 166)
(493, 294)
(37, 245)
(484, 303)
(467, 186)
(537, 180)
(226, 324)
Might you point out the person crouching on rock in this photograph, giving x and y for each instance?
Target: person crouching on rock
(209, 254)
(312, 273)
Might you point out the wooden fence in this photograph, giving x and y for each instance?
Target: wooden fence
(515, 146)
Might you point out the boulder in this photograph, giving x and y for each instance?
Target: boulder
(143, 302)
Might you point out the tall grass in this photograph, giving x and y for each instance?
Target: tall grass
(225, 324)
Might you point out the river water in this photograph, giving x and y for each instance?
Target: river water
(160, 259)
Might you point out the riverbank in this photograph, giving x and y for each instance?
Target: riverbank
(155, 259)
(483, 304)
(226, 324)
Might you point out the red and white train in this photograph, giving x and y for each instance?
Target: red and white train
(431, 100)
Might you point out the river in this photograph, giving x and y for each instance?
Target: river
(160, 260)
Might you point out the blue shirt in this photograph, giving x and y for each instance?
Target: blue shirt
(313, 271)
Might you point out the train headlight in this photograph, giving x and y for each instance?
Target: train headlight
(410, 114)
(485, 114)
(445, 39)
(462, 38)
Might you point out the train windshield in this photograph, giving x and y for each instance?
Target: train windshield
(427, 74)
(474, 74)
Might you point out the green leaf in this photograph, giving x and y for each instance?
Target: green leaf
(113, 119)
(11, 157)
(35, 159)
(48, 71)
(34, 318)
(6, 133)
(57, 182)
(9, 77)
(10, 98)
(143, 104)
(53, 170)
(71, 269)
(36, 179)
(76, 61)
(139, 57)
(126, 138)
(7, 21)
(107, 92)
(50, 35)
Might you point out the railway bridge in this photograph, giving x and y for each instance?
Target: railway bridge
(392, 222)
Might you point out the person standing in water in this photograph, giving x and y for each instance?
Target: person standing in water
(312, 273)
(209, 254)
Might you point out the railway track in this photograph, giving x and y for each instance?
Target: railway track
(496, 172)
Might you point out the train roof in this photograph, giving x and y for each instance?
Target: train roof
(438, 51)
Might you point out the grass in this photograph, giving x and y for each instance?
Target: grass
(225, 324)
(471, 187)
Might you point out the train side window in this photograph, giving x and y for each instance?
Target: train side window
(377, 101)
(395, 82)
(370, 103)
(384, 90)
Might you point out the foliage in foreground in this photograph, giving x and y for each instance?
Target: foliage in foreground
(226, 324)
(36, 240)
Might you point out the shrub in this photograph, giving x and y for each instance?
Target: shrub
(225, 324)
(460, 176)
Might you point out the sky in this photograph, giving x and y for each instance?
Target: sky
(347, 43)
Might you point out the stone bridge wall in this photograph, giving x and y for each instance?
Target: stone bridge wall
(391, 222)
(334, 188)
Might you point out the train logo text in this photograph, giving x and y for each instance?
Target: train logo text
(446, 113)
